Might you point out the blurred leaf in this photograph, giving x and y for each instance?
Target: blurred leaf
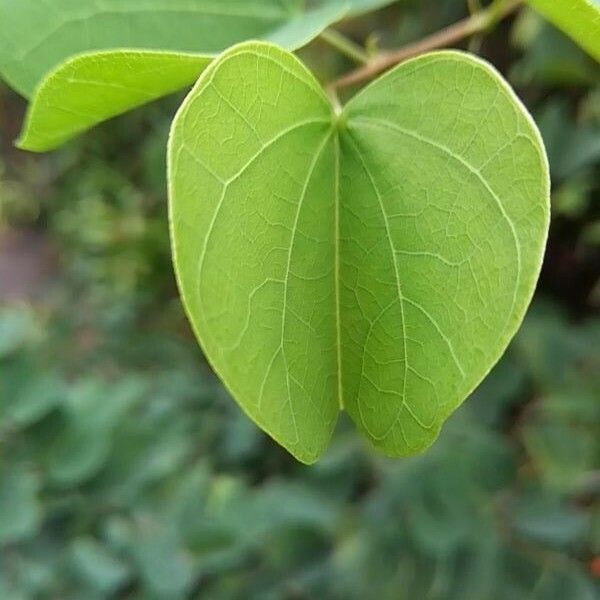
(554, 354)
(20, 511)
(552, 59)
(572, 199)
(568, 582)
(564, 454)
(358, 7)
(27, 393)
(16, 328)
(97, 567)
(93, 409)
(167, 570)
(579, 19)
(546, 521)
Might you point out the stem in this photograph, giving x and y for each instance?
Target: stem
(474, 6)
(476, 23)
(346, 46)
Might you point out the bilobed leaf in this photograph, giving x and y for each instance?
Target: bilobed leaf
(378, 260)
(579, 19)
(82, 62)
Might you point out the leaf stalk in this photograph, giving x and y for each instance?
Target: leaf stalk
(346, 46)
(478, 22)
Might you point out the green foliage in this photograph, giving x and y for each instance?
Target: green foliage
(502, 506)
(73, 88)
(579, 19)
(76, 85)
(185, 499)
(358, 7)
(35, 39)
(190, 500)
(328, 251)
(355, 301)
(91, 88)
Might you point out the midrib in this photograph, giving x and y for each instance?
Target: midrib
(336, 143)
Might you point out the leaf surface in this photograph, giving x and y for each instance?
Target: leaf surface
(92, 88)
(579, 19)
(379, 260)
(358, 7)
(83, 62)
(35, 37)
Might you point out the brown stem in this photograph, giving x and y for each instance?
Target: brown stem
(476, 23)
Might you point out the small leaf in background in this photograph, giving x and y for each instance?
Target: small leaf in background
(28, 395)
(318, 234)
(20, 510)
(16, 328)
(549, 522)
(579, 19)
(550, 58)
(92, 412)
(358, 7)
(565, 454)
(165, 567)
(97, 567)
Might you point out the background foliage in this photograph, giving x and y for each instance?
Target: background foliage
(126, 472)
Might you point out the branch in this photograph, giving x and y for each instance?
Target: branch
(476, 23)
(345, 45)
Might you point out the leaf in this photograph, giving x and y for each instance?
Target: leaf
(579, 19)
(92, 88)
(378, 260)
(84, 62)
(358, 7)
(28, 395)
(97, 566)
(36, 36)
(20, 512)
(16, 328)
(93, 410)
(545, 520)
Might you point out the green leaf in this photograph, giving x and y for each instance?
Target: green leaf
(97, 566)
(20, 512)
(16, 328)
(358, 7)
(378, 260)
(92, 411)
(92, 88)
(36, 36)
(84, 62)
(579, 19)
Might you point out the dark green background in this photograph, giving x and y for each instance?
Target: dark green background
(127, 472)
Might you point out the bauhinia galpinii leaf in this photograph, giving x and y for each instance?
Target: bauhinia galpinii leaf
(376, 259)
(84, 61)
(358, 7)
(579, 19)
